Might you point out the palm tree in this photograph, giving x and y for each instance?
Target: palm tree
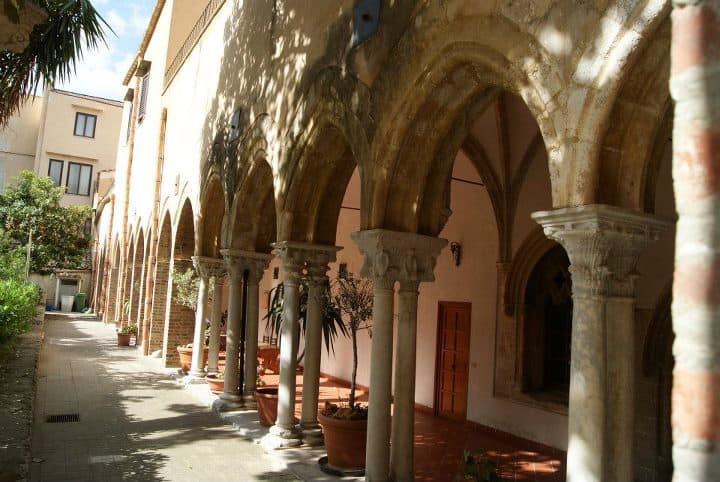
(55, 46)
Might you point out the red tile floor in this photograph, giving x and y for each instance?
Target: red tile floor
(439, 443)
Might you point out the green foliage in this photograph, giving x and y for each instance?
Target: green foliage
(12, 259)
(17, 307)
(353, 297)
(332, 323)
(129, 330)
(56, 44)
(187, 285)
(58, 240)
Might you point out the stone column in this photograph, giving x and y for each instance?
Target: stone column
(215, 320)
(318, 259)
(197, 370)
(603, 244)
(391, 256)
(284, 433)
(231, 397)
(206, 269)
(695, 87)
(403, 433)
(256, 264)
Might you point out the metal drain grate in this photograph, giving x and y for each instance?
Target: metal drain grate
(66, 418)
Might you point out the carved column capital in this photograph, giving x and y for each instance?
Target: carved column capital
(208, 267)
(391, 256)
(238, 261)
(305, 260)
(603, 244)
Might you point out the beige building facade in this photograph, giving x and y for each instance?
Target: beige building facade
(70, 137)
(502, 171)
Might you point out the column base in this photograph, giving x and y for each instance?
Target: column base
(312, 434)
(281, 438)
(250, 402)
(228, 402)
(195, 378)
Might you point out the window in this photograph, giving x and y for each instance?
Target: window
(55, 171)
(78, 179)
(548, 327)
(144, 85)
(85, 124)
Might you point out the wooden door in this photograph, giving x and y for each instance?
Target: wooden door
(452, 360)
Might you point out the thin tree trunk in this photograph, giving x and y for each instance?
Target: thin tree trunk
(354, 369)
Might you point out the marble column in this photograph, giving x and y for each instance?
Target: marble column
(603, 244)
(197, 370)
(256, 264)
(391, 256)
(285, 433)
(317, 260)
(403, 433)
(231, 397)
(207, 269)
(215, 322)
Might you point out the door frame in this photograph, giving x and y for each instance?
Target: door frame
(442, 305)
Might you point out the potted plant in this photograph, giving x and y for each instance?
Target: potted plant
(332, 323)
(186, 294)
(124, 334)
(345, 427)
(216, 382)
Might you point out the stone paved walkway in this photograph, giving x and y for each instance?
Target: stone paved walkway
(136, 422)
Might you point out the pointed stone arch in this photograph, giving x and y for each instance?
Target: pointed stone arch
(329, 140)
(212, 217)
(639, 128)
(442, 84)
(179, 320)
(160, 286)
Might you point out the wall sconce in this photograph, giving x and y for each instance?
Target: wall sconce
(456, 251)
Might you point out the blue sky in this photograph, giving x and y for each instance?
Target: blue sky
(101, 72)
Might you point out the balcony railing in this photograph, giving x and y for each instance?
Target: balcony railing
(198, 29)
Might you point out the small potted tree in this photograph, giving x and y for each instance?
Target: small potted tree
(332, 325)
(187, 285)
(345, 428)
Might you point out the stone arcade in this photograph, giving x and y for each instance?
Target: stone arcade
(568, 150)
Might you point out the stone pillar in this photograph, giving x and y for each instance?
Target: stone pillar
(318, 259)
(215, 320)
(256, 264)
(695, 87)
(603, 244)
(403, 422)
(391, 256)
(231, 398)
(284, 433)
(206, 268)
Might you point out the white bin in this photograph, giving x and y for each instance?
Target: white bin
(67, 303)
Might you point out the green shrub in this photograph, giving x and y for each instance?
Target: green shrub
(17, 307)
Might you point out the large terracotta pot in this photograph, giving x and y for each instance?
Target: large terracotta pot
(186, 357)
(123, 339)
(267, 403)
(344, 441)
(216, 383)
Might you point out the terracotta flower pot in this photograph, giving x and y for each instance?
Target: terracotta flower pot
(186, 357)
(344, 441)
(267, 403)
(123, 339)
(216, 383)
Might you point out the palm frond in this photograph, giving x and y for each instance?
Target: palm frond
(56, 45)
